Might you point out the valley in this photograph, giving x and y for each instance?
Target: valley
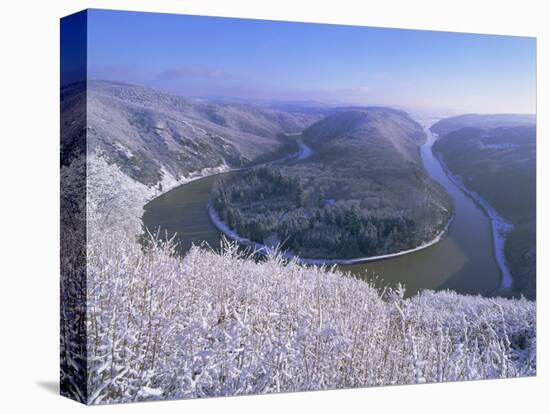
(454, 262)
(368, 166)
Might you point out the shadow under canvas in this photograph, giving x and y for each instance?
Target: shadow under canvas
(50, 386)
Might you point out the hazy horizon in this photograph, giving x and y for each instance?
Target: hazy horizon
(258, 60)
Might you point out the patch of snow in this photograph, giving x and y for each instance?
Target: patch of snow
(146, 392)
(126, 151)
(497, 146)
(169, 181)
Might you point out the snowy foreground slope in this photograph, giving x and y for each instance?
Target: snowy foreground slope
(215, 325)
(159, 326)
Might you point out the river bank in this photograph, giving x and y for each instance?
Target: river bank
(168, 182)
(499, 226)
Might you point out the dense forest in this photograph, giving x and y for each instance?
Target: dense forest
(266, 206)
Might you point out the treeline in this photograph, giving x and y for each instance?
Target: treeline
(263, 204)
(257, 185)
(345, 232)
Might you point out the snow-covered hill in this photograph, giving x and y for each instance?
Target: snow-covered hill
(156, 137)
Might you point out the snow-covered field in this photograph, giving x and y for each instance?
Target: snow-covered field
(159, 326)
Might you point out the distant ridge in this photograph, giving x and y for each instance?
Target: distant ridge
(454, 123)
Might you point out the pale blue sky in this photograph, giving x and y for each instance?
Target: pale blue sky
(255, 59)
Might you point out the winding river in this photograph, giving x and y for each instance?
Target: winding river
(463, 260)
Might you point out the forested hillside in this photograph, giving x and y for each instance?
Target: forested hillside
(499, 164)
(447, 125)
(363, 191)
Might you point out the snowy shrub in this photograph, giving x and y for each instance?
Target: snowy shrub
(221, 324)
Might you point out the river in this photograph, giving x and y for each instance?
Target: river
(463, 260)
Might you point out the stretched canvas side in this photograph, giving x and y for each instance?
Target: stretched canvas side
(73, 206)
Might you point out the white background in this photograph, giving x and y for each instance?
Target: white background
(29, 217)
